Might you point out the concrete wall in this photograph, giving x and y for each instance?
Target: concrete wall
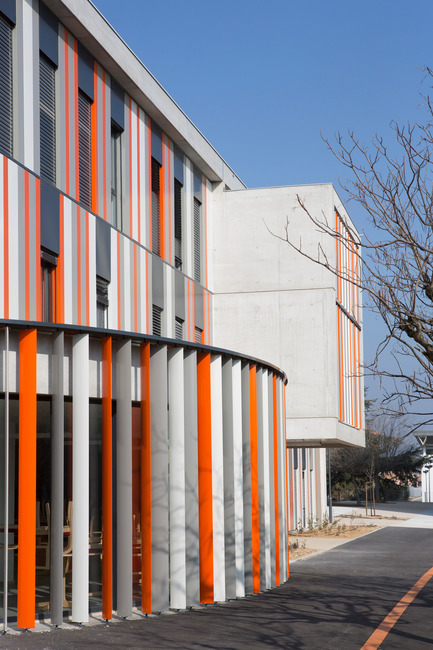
(273, 303)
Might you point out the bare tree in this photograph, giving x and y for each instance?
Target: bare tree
(396, 191)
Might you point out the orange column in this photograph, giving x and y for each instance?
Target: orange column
(107, 483)
(146, 485)
(27, 480)
(254, 480)
(205, 512)
(287, 490)
(276, 501)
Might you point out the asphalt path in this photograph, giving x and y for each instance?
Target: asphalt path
(335, 599)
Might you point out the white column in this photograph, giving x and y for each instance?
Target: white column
(80, 478)
(191, 480)
(159, 478)
(176, 432)
(238, 476)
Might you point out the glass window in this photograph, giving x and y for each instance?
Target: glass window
(48, 286)
(101, 302)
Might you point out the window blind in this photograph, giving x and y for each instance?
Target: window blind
(85, 149)
(47, 103)
(6, 96)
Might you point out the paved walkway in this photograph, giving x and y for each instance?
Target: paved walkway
(411, 514)
(332, 600)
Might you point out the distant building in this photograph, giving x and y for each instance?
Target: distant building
(170, 371)
(425, 440)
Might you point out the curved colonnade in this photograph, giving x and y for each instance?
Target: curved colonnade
(139, 472)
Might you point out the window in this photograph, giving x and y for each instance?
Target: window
(48, 285)
(47, 110)
(197, 335)
(116, 176)
(156, 321)
(178, 224)
(156, 207)
(101, 302)
(197, 240)
(85, 149)
(6, 96)
(178, 328)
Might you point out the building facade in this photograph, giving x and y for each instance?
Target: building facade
(143, 438)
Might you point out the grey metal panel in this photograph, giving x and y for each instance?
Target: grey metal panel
(246, 451)
(103, 249)
(198, 291)
(229, 479)
(50, 218)
(117, 104)
(157, 282)
(124, 478)
(57, 481)
(179, 294)
(33, 254)
(159, 478)
(8, 8)
(198, 185)
(191, 481)
(156, 146)
(85, 71)
(178, 164)
(48, 33)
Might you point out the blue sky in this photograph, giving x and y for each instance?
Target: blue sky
(263, 80)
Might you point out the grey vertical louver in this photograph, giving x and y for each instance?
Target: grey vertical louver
(156, 320)
(47, 99)
(156, 208)
(6, 112)
(177, 223)
(197, 240)
(178, 328)
(85, 149)
(197, 335)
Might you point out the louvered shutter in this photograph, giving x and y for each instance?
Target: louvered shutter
(178, 329)
(6, 109)
(177, 224)
(85, 149)
(197, 335)
(47, 95)
(156, 217)
(197, 242)
(156, 320)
